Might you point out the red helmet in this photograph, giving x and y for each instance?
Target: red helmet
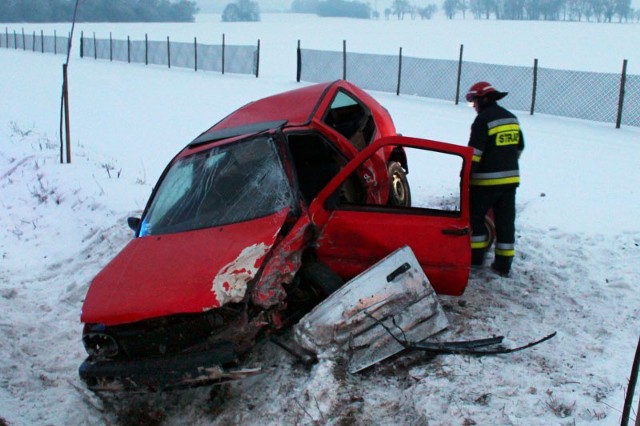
(482, 88)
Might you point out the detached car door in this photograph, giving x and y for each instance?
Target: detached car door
(353, 234)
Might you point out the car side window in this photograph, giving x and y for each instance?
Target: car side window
(316, 162)
(434, 182)
(349, 118)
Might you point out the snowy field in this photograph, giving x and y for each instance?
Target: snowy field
(576, 269)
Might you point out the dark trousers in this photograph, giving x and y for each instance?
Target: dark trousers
(502, 200)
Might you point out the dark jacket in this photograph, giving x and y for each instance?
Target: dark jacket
(497, 142)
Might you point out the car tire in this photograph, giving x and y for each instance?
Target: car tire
(322, 280)
(399, 191)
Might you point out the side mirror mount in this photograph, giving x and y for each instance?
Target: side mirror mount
(134, 223)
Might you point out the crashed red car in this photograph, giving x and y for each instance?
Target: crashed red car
(256, 221)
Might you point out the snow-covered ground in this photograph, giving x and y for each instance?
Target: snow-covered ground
(576, 270)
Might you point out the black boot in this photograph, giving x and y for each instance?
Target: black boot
(477, 257)
(502, 265)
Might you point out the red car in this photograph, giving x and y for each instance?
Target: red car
(256, 221)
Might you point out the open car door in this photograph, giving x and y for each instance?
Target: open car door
(355, 232)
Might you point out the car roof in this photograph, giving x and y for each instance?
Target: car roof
(213, 135)
(295, 106)
(288, 109)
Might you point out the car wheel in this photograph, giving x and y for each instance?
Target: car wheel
(320, 278)
(399, 192)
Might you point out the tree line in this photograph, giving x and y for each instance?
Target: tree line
(567, 10)
(248, 10)
(97, 11)
(550, 10)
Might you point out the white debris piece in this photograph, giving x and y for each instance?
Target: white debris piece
(396, 292)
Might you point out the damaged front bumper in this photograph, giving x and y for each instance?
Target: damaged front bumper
(175, 371)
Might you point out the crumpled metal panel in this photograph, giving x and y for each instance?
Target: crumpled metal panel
(396, 292)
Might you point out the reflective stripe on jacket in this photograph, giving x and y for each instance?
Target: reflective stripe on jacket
(497, 141)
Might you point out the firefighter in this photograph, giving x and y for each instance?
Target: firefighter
(497, 142)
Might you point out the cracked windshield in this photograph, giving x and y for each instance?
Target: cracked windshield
(223, 185)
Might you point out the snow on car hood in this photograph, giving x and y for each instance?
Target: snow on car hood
(187, 272)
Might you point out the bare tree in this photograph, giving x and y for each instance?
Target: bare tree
(450, 7)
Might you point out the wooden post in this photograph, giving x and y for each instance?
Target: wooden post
(298, 63)
(64, 108)
(195, 53)
(258, 60)
(633, 379)
(168, 53)
(223, 53)
(110, 47)
(95, 47)
(65, 90)
(399, 72)
(534, 89)
(146, 49)
(459, 74)
(24, 41)
(128, 49)
(223, 49)
(344, 59)
(42, 41)
(623, 80)
(81, 44)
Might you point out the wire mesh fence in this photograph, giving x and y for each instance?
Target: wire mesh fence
(605, 97)
(359, 68)
(319, 65)
(631, 112)
(431, 78)
(34, 42)
(223, 58)
(585, 95)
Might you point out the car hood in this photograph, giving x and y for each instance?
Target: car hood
(187, 272)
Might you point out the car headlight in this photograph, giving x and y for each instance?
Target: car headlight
(100, 345)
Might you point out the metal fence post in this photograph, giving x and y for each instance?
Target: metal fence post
(298, 63)
(146, 49)
(168, 53)
(111, 47)
(633, 379)
(24, 41)
(55, 42)
(128, 49)
(95, 47)
(399, 72)
(459, 74)
(223, 48)
(195, 54)
(344, 59)
(623, 81)
(534, 89)
(81, 44)
(42, 41)
(258, 59)
(33, 42)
